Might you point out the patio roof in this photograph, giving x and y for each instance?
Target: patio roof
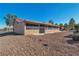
(35, 23)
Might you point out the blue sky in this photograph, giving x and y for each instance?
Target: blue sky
(58, 12)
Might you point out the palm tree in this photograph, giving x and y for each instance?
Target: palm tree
(10, 20)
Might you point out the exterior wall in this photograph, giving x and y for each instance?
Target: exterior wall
(31, 32)
(52, 31)
(19, 27)
(36, 32)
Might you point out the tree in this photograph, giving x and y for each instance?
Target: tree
(61, 25)
(56, 24)
(50, 21)
(77, 27)
(10, 20)
(72, 24)
(66, 26)
(5, 29)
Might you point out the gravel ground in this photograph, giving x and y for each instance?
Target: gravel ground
(57, 44)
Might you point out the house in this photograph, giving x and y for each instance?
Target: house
(26, 27)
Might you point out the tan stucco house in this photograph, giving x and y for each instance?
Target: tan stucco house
(26, 27)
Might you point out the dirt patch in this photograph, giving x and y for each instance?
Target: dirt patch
(55, 44)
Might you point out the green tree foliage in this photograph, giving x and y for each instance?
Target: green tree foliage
(77, 27)
(56, 24)
(61, 25)
(51, 21)
(66, 26)
(10, 19)
(5, 29)
(72, 24)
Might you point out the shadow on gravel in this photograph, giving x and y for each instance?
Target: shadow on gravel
(72, 42)
(8, 33)
(69, 36)
(70, 39)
